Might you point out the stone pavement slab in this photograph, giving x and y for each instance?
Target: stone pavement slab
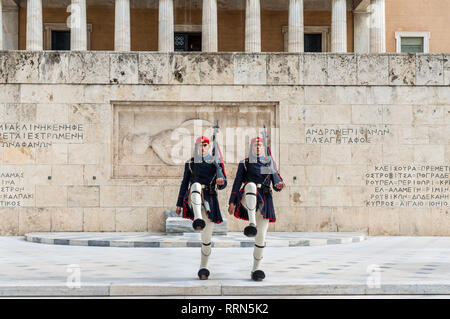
(167, 240)
(376, 266)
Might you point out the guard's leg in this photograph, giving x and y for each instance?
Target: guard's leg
(250, 203)
(262, 224)
(196, 202)
(203, 273)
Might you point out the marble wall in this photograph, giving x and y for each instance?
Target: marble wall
(364, 140)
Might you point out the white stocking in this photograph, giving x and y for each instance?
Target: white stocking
(206, 239)
(250, 201)
(261, 225)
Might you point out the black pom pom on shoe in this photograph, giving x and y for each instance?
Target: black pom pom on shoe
(250, 231)
(258, 275)
(203, 274)
(198, 224)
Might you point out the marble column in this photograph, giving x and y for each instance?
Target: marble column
(209, 26)
(338, 26)
(10, 19)
(253, 26)
(34, 25)
(377, 26)
(166, 26)
(361, 31)
(1, 25)
(122, 33)
(78, 29)
(296, 29)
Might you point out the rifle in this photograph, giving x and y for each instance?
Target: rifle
(269, 160)
(217, 154)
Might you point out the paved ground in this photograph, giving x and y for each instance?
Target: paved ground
(378, 265)
(231, 239)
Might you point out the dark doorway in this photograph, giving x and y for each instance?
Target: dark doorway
(60, 40)
(188, 41)
(313, 42)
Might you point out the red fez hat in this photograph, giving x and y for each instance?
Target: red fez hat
(256, 139)
(201, 140)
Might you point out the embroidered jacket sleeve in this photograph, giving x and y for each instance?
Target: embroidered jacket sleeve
(184, 184)
(223, 171)
(237, 183)
(271, 177)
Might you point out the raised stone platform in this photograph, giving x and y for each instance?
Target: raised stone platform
(163, 240)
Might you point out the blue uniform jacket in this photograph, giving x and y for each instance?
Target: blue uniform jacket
(205, 174)
(251, 172)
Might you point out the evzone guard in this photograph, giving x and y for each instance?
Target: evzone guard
(197, 199)
(255, 174)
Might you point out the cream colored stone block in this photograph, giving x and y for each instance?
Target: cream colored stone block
(34, 174)
(428, 114)
(9, 221)
(292, 133)
(383, 221)
(67, 175)
(413, 135)
(429, 69)
(115, 196)
(397, 114)
(19, 155)
(195, 93)
(147, 196)
(373, 69)
(284, 68)
(336, 114)
(95, 174)
(250, 68)
(367, 114)
(54, 154)
(335, 196)
(402, 69)
(446, 60)
(52, 113)
(439, 134)
(352, 219)
(131, 219)
(341, 69)
(351, 94)
(320, 95)
(366, 154)
(429, 154)
(83, 196)
(293, 175)
(398, 154)
(304, 114)
(304, 196)
(320, 219)
(10, 93)
(85, 153)
(51, 196)
(440, 221)
(99, 219)
(48, 93)
(316, 175)
(153, 68)
(54, 67)
(349, 175)
(380, 94)
(89, 113)
(88, 67)
(157, 219)
(201, 68)
(227, 93)
(21, 66)
(336, 154)
(446, 114)
(304, 154)
(415, 222)
(416, 95)
(14, 112)
(34, 220)
(361, 195)
(315, 68)
(123, 68)
(66, 219)
(170, 194)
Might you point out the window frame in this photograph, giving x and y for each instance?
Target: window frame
(49, 27)
(425, 35)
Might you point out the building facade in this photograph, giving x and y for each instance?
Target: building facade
(100, 103)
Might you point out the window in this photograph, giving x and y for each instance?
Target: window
(188, 41)
(316, 38)
(60, 40)
(57, 36)
(412, 42)
(313, 42)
